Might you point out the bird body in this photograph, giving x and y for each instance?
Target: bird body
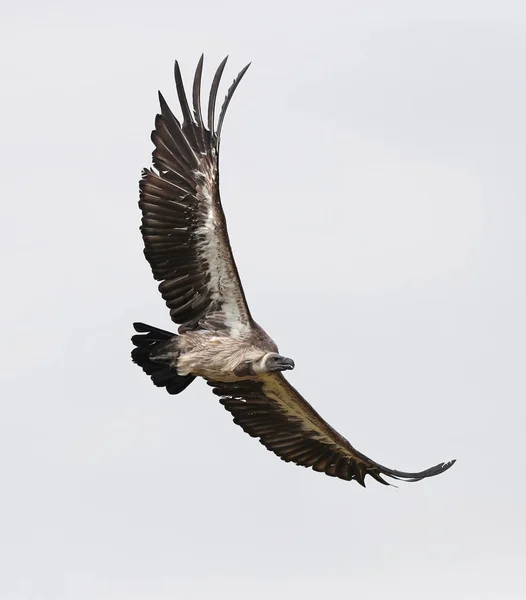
(186, 243)
(218, 357)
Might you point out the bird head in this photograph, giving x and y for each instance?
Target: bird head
(272, 362)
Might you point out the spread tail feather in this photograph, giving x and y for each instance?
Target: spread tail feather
(162, 375)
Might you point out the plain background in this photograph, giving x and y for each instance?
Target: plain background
(373, 181)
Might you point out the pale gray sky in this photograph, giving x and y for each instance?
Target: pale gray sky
(380, 146)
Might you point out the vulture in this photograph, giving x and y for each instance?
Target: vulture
(187, 246)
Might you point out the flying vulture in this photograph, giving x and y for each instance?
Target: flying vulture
(186, 243)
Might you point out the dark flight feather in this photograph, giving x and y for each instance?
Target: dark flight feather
(226, 102)
(213, 95)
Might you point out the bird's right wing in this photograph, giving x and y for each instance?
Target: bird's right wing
(273, 411)
(183, 224)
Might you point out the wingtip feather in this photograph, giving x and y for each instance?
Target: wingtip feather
(213, 94)
(413, 477)
(227, 100)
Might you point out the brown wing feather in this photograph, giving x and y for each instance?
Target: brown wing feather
(183, 224)
(285, 423)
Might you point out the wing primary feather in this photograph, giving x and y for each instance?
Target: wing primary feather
(213, 95)
(188, 120)
(196, 99)
(378, 478)
(184, 146)
(165, 155)
(226, 102)
(432, 471)
(359, 475)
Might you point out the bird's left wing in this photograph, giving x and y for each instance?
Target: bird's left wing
(273, 411)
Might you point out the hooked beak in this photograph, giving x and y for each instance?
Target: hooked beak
(285, 364)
